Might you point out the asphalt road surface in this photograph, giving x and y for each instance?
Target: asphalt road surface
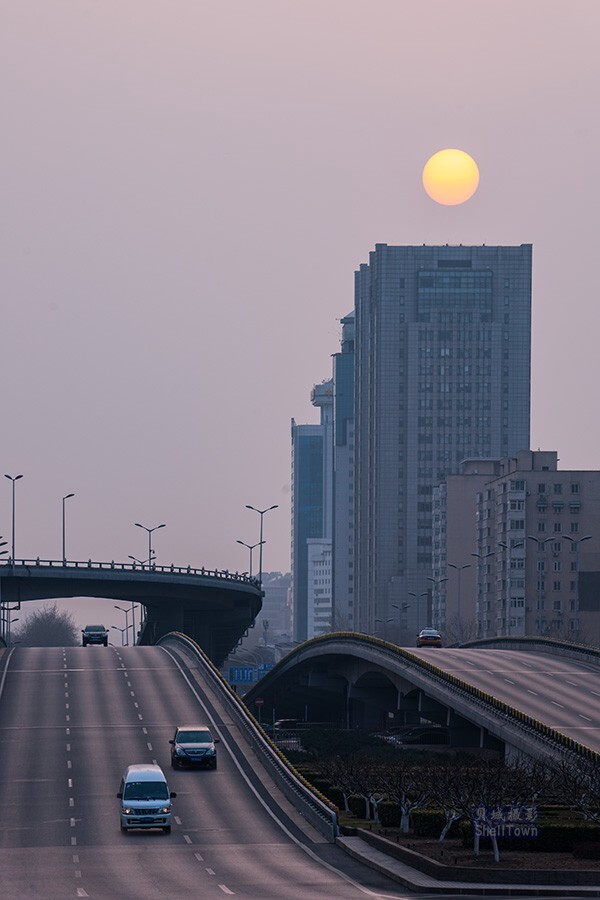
(562, 693)
(70, 722)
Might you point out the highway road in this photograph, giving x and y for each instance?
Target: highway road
(70, 722)
(562, 693)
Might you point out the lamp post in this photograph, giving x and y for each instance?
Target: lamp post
(149, 530)
(126, 611)
(401, 609)
(418, 602)
(509, 548)
(122, 630)
(140, 562)
(575, 542)
(261, 513)
(13, 479)
(541, 542)
(435, 596)
(384, 622)
(459, 570)
(64, 551)
(251, 548)
(479, 617)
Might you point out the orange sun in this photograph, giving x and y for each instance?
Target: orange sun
(450, 177)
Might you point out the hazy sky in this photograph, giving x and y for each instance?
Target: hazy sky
(187, 187)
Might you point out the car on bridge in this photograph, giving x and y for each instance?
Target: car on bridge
(145, 798)
(94, 634)
(193, 746)
(429, 637)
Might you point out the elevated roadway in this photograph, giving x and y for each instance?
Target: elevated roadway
(545, 700)
(214, 608)
(71, 721)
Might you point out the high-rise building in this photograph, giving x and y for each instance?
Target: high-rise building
(343, 481)
(442, 373)
(312, 496)
(525, 537)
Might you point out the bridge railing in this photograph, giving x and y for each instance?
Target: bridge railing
(315, 808)
(130, 567)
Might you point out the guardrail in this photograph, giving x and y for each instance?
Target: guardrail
(130, 567)
(315, 808)
(550, 737)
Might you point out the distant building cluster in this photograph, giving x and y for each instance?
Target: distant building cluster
(416, 500)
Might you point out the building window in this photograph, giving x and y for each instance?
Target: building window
(574, 488)
(556, 585)
(541, 488)
(558, 488)
(574, 527)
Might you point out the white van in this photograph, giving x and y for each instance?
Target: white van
(145, 798)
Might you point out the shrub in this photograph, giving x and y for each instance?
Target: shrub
(357, 806)
(390, 814)
(554, 837)
(430, 823)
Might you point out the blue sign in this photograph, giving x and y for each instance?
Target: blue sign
(242, 674)
(264, 668)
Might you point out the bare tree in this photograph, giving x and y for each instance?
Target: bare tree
(48, 627)
(576, 784)
(407, 785)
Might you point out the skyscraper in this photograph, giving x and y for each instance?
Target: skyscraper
(312, 492)
(442, 373)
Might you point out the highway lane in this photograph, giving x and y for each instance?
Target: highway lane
(70, 722)
(562, 693)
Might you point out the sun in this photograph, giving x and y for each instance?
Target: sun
(450, 177)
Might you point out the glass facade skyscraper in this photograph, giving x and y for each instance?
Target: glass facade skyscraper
(442, 373)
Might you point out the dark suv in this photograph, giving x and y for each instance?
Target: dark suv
(193, 745)
(94, 634)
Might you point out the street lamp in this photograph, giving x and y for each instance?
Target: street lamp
(13, 479)
(435, 601)
(122, 630)
(149, 530)
(459, 570)
(64, 553)
(126, 611)
(479, 598)
(384, 622)
(261, 513)
(418, 601)
(140, 562)
(575, 542)
(251, 548)
(509, 548)
(541, 543)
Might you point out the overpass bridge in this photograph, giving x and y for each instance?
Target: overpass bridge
(529, 695)
(212, 607)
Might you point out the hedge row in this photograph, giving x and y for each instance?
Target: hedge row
(553, 837)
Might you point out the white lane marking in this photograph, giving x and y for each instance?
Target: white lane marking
(70, 782)
(68, 748)
(82, 893)
(286, 831)
(137, 705)
(187, 839)
(140, 716)
(67, 718)
(77, 873)
(67, 731)
(128, 684)
(210, 871)
(72, 823)
(71, 801)
(154, 763)
(595, 693)
(509, 681)
(75, 857)
(177, 820)
(225, 889)
(144, 731)
(199, 857)
(73, 842)
(557, 704)
(66, 705)
(66, 693)
(587, 718)
(535, 694)
(132, 693)
(574, 683)
(69, 764)
(149, 745)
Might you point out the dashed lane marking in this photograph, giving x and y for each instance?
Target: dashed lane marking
(187, 839)
(225, 889)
